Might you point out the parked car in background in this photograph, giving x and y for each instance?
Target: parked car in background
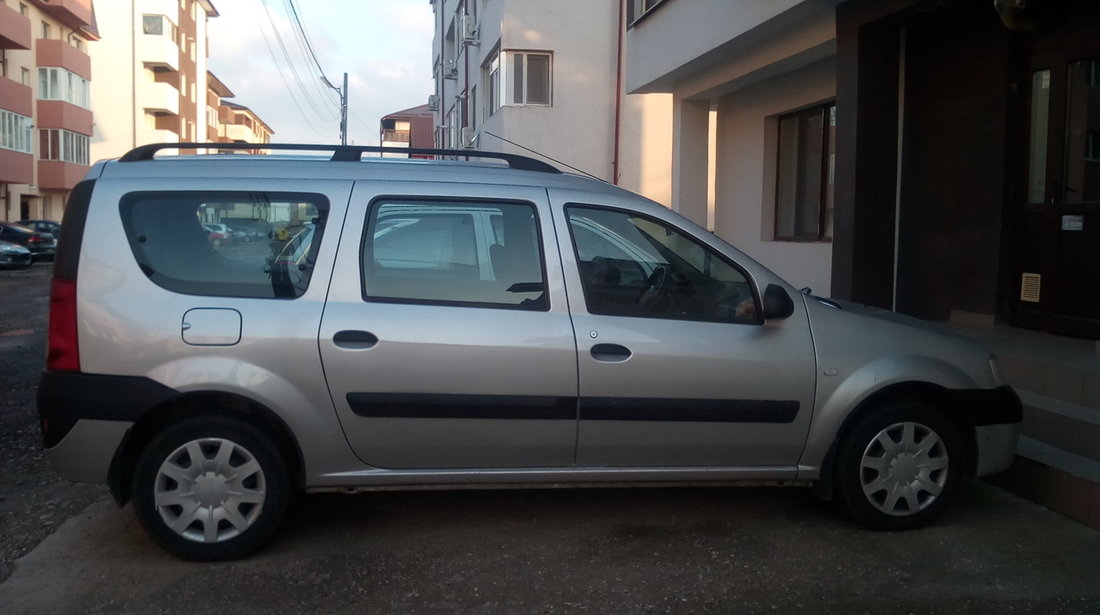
(14, 255)
(43, 226)
(219, 234)
(41, 245)
(248, 229)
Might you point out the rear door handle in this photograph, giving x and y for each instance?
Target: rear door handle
(355, 340)
(610, 353)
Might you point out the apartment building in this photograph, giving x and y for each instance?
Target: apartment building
(544, 79)
(239, 124)
(938, 158)
(411, 128)
(45, 109)
(153, 83)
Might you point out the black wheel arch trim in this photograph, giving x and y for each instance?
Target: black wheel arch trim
(64, 398)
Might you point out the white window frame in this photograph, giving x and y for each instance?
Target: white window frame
(68, 146)
(55, 83)
(493, 78)
(15, 132)
(521, 79)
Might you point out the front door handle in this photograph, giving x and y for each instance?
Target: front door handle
(355, 340)
(610, 353)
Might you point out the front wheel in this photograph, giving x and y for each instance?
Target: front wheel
(210, 488)
(899, 466)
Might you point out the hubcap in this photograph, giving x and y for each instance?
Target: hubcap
(904, 469)
(210, 490)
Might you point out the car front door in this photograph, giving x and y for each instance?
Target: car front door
(446, 338)
(677, 367)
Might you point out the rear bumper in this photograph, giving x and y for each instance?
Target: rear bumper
(84, 418)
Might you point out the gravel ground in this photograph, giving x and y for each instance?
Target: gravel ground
(33, 500)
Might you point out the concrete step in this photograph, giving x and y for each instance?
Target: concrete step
(1066, 483)
(1063, 425)
(1078, 385)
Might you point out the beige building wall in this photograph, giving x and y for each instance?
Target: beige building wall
(577, 129)
(155, 83)
(733, 68)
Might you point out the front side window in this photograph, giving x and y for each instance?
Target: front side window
(454, 253)
(226, 244)
(632, 265)
(805, 178)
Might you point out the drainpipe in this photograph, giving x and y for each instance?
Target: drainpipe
(465, 71)
(618, 92)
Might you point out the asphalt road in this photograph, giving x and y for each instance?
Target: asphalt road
(705, 550)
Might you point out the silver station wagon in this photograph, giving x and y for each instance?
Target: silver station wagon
(445, 322)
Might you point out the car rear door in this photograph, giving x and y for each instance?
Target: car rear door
(676, 367)
(446, 338)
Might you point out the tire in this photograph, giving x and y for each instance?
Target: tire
(210, 488)
(899, 466)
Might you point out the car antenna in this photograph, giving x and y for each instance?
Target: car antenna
(537, 153)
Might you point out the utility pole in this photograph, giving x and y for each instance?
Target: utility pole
(343, 107)
(344, 112)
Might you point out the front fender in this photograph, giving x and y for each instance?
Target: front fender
(839, 395)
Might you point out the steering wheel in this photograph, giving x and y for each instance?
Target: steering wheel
(653, 286)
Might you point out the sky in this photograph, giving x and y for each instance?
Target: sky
(384, 46)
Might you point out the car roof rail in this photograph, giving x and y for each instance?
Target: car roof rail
(345, 153)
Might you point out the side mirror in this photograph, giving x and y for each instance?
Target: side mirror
(777, 303)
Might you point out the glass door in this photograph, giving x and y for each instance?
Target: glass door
(1059, 278)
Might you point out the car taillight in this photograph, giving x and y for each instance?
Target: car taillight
(37, 239)
(63, 354)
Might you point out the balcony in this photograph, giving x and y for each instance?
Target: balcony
(16, 97)
(16, 167)
(49, 52)
(76, 14)
(58, 175)
(60, 114)
(238, 132)
(158, 51)
(160, 98)
(15, 30)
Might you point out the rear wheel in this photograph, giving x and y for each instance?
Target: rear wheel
(899, 466)
(210, 488)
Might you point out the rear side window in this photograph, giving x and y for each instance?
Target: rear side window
(228, 244)
(454, 253)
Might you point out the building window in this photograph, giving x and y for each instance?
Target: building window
(15, 131)
(63, 145)
(45, 30)
(61, 84)
(641, 8)
(491, 71)
(805, 175)
(158, 25)
(25, 76)
(530, 78)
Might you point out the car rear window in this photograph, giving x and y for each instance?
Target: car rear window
(228, 244)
